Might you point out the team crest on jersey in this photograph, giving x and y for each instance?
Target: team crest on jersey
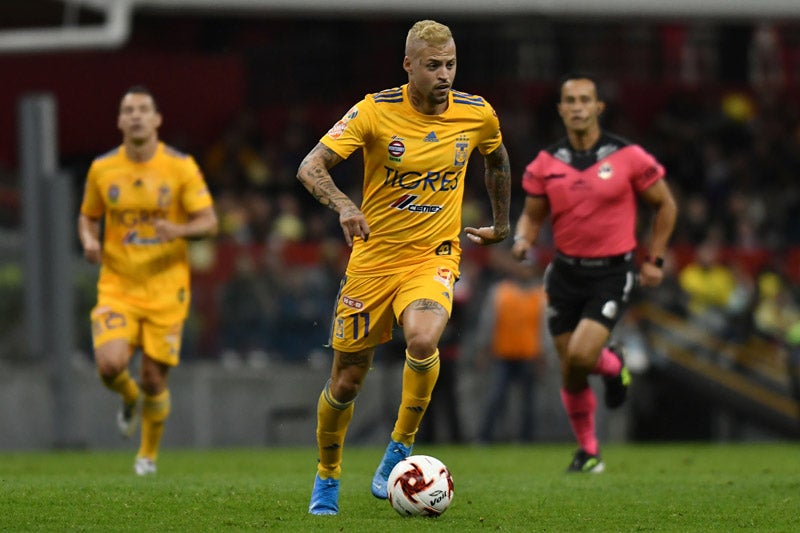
(352, 302)
(462, 145)
(336, 131)
(605, 171)
(444, 276)
(164, 197)
(396, 149)
(113, 194)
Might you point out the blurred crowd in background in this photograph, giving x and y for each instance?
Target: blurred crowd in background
(717, 104)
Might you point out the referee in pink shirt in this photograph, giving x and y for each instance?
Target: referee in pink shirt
(588, 183)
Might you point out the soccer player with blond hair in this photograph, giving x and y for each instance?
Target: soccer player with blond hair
(416, 141)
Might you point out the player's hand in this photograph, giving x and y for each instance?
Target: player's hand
(167, 231)
(354, 224)
(92, 251)
(485, 235)
(650, 275)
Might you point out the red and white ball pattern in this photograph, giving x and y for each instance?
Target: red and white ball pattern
(420, 485)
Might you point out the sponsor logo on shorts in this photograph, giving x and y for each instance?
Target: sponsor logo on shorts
(444, 276)
(610, 309)
(406, 203)
(352, 302)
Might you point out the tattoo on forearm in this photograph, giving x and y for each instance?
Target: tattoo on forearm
(315, 177)
(498, 184)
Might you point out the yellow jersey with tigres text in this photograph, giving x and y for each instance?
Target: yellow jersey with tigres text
(414, 171)
(130, 197)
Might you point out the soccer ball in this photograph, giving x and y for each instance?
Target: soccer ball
(420, 485)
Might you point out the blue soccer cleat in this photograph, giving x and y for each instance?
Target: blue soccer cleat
(324, 497)
(395, 452)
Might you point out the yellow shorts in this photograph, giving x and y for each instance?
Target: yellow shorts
(367, 306)
(157, 333)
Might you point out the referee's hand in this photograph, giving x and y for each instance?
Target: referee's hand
(650, 275)
(520, 250)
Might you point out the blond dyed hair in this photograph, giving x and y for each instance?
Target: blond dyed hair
(428, 32)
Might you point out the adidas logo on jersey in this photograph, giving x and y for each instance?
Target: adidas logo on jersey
(431, 138)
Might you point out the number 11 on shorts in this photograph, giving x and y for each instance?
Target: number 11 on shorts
(360, 326)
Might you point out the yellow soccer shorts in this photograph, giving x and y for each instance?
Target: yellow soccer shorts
(367, 306)
(157, 332)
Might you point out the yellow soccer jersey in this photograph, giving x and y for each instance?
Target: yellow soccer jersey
(130, 196)
(414, 171)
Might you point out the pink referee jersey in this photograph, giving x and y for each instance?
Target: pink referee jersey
(592, 194)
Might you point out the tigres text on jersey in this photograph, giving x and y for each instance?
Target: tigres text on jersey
(414, 171)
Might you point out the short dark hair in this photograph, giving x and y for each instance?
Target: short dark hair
(141, 89)
(579, 75)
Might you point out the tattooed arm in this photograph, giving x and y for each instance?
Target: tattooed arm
(315, 176)
(498, 185)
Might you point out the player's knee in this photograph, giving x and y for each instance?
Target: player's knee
(345, 388)
(153, 383)
(421, 346)
(109, 369)
(581, 360)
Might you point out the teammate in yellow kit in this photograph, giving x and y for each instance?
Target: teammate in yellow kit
(141, 202)
(416, 141)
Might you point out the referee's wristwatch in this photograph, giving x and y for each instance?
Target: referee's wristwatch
(655, 260)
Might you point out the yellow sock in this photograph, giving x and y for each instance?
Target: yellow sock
(155, 410)
(333, 418)
(419, 378)
(124, 385)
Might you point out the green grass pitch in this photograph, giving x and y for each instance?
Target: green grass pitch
(659, 487)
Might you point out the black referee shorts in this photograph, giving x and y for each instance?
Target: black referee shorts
(595, 288)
